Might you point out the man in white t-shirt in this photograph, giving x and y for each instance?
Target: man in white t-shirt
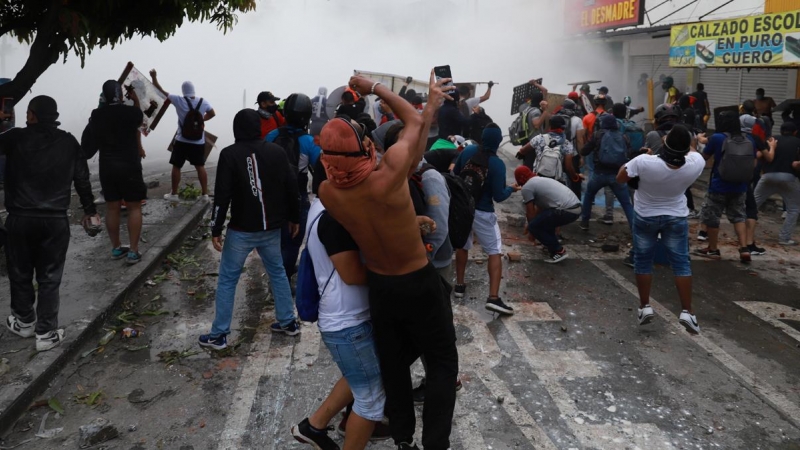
(184, 149)
(346, 328)
(660, 213)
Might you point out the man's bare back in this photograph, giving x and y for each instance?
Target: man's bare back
(378, 212)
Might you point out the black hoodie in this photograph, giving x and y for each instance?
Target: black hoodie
(255, 179)
(43, 163)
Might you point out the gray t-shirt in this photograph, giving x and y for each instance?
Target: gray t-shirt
(547, 193)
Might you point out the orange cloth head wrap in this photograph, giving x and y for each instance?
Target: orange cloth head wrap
(347, 162)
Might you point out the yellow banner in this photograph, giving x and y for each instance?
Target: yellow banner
(770, 40)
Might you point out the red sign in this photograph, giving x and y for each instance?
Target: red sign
(597, 15)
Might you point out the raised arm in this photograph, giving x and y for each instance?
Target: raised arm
(154, 76)
(488, 93)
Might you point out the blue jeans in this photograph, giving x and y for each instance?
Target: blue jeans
(600, 180)
(543, 226)
(353, 350)
(674, 233)
(237, 246)
(290, 247)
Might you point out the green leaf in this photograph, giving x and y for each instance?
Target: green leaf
(54, 404)
(94, 397)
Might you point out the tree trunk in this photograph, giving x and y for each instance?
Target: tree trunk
(45, 51)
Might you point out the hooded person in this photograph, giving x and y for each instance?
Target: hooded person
(254, 180)
(319, 111)
(484, 226)
(478, 121)
(671, 93)
(303, 152)
(43, 163)
(666, 116)
(185, 148)
(113, 131)
(661, 214)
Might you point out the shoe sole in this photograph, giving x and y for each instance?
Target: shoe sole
(48, 347)
(714, 257)
(213, 346)
(702, 239)
(500, 310)
(117, 258)
(647, 319)
(133, 262)
(287, 332)
(303, 439)
(556, 261)
(458, 295)
(689, 327)
(757, 253)
(604, 222)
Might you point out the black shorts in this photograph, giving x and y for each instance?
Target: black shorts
(183, 151)
(122, 183)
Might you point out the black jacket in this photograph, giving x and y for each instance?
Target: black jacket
(255, 179)
(451, 121)
(42, 164)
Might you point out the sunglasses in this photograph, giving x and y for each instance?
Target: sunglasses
(361, 132)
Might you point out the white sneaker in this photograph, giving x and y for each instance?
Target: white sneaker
(689, 321)
(646, 315)
(172, 197)
(205, 198)
(20, 328)
(49, 340)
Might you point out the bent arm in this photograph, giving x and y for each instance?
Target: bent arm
(209, 115)
(351, 270)
(487, 95)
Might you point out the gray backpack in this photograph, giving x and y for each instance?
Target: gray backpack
(737, 159)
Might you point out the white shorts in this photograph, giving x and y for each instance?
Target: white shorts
(486, 229)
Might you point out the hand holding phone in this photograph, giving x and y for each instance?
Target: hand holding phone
(442, 72)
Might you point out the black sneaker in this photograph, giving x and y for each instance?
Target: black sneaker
(460, 290)
(744, 255)
(756, 250)
(217, 343)
(556, 258)
(407, 446)
(497, 305)
(293, 329)
(303, 432)
(702, 236)
(607, 220)
(628, 261)
(584, 225)
(708, 253)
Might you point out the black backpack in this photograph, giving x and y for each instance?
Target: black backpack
(193, 126)
(290, 142)
(474, 174)
(462, 206)
(736, 165)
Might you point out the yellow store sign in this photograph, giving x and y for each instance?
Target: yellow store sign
(770, 40)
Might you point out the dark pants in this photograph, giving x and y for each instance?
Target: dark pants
(40, 245)
(751, 208)
(290, 247)
(543, 226)
(689, 199)
(412, 317)
(575, 187)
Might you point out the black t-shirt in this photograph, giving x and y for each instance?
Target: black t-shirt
(441, 159)
(787, 152)
(334, 236)
(700, 103)
(114, 129)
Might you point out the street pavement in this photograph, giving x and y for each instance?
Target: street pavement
(571, 370)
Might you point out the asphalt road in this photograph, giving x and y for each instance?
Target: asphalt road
(571, 370)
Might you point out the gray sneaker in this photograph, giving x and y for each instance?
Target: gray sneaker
(607, 219)
(788, 243)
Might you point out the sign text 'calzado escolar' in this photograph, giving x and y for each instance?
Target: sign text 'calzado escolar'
(771, 40)
(595, 15)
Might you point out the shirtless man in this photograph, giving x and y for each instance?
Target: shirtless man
(409, 301)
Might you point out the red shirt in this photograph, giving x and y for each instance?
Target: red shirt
(275, 122)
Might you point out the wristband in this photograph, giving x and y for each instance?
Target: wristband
(372, 91)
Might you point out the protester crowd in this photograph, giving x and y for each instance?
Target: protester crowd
(401, 186)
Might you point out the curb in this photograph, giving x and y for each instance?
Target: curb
(155, 255)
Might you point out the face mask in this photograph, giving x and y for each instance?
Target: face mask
(272, 108)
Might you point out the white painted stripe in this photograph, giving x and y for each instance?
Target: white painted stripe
(468, 425)
(254, 368)
(771, 312)
(755, 383)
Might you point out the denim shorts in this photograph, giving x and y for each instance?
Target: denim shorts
(674, 233)
(353, 349)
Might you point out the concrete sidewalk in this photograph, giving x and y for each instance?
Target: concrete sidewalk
(93, 285)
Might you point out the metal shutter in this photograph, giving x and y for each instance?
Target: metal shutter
(680, 75)
(774, 83)
(638, 66)
(723, 88)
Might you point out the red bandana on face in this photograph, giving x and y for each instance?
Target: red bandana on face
(346, 161)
